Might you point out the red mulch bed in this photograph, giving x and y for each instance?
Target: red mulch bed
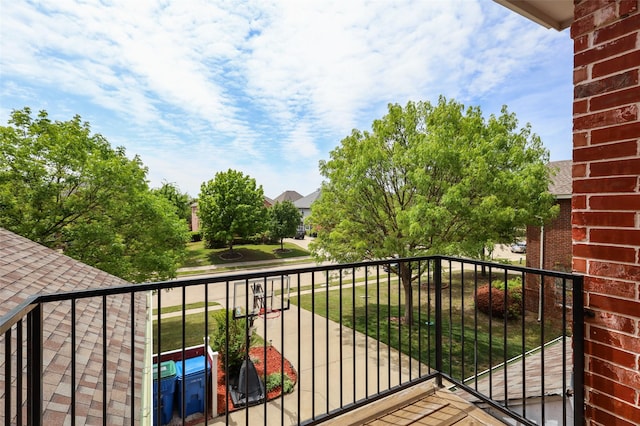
(274, 362)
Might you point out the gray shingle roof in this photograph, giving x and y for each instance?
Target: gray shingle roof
(305, 202)
(26, 269)
(561, 179)
(533, 373)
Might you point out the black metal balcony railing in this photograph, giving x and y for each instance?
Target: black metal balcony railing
(342, 328)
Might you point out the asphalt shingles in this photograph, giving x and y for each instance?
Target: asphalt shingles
(27, 269)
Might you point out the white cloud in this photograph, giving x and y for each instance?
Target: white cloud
(196, 86)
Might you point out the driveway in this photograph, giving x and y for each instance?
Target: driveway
(304, 243)
(502, 251)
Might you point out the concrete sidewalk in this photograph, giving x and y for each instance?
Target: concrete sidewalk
(336, 367)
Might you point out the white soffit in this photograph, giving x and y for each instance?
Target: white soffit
(556, 14)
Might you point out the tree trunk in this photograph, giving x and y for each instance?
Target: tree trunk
(281, 244)
(405, 278)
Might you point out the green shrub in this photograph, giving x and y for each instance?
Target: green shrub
(237, 340)
(514, 308)
(196, 236)
(514, 288)
(274, 381)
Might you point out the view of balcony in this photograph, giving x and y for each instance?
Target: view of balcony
(340, 333)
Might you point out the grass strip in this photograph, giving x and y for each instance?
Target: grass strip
(177, 308)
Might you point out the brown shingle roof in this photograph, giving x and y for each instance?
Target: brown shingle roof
(26, 269)
(561, 180)
(288, 196)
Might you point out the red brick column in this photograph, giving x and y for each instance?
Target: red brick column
(606, 202)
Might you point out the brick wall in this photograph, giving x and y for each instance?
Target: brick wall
(557, 241)
(606, 202)
(557, 257)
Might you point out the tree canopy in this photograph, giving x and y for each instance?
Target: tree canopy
(284, 219)
(430, 179)
(181, 201)
(68, 189)
(230, 205)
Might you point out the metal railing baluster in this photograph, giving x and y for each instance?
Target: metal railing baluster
(462, 315)
(578, 350)
(299, 335)
(313, 346)
(523, 347)
(34, 366)
(542, 342)
(504, 337)
(19, 355)
(104, 360)
(353, 334)
(132, 312)
(7, 378)
(73, 361)
(441, 365)
(437, 277)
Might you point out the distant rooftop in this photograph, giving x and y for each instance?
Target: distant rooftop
(288, 196)
(305, 202)
(561, 181)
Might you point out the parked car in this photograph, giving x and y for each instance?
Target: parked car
(300, 235)
(391, 267)
(519, 247)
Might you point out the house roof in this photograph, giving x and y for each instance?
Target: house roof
(531, 365)
(561, 180)
(27, 269)
(305, 202)
(556, 14)
(288, 196)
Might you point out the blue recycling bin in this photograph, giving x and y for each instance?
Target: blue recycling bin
(167, 390)
(194, 379)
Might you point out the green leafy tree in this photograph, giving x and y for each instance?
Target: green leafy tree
(68, 189)
(430, 179)
(284, 219)
(231, 205)
(180, 201)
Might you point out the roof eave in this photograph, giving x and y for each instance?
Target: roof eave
(529, 9)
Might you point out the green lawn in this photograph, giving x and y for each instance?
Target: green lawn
(376, 312)
(177, 308)
(198, 255)
(194, 331)
(172, 331)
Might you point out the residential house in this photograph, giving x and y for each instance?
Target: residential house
(555, 251)
(304, 205)
(605, 199)
(28, 269)
(287, 196)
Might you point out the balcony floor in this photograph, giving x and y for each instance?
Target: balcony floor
(419, 405)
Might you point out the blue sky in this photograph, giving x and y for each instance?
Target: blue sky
(271, 87)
